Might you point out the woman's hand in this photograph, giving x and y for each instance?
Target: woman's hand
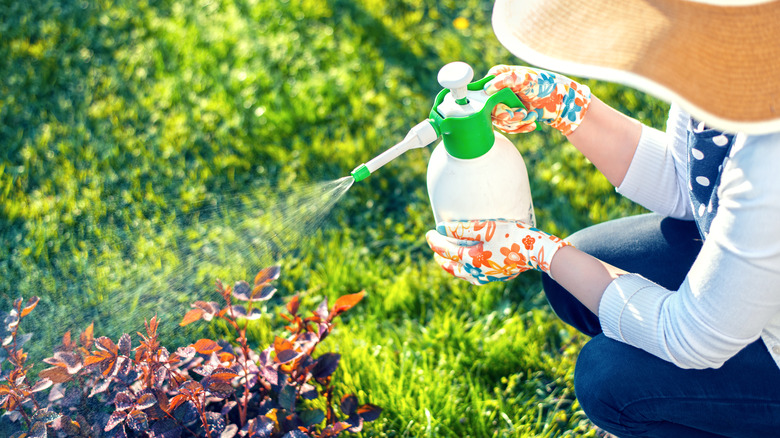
(492, 250)
(549, 97)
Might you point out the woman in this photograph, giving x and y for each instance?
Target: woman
(683, 304)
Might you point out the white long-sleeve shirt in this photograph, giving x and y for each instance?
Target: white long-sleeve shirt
(731, 295)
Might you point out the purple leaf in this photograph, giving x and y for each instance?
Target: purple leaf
(307, 338)
(166, 428)
(159, 376)
(263, 293)
(100, 388)
(242, 291)
(349, 404)
(254, 315)
(204, 370)
(270, 375)
(41, 385)
(73, 397)
(186, 353)
(215, 423)
(146, 401)
(225, 372)
(125, 344)
(369, 412)
(265, 357)
(230, 431)
(218, 388)
(239, 311)
(323, 330)
(285, 356)
(326, 365)
(115, 418)
(137, 420)
(70, 360)
(57, 392)
(123, 401)
(305, 362)
(250, 379)
(186, 413)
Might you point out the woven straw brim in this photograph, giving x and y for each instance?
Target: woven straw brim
(721, 64)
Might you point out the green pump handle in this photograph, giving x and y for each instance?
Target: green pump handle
(471, 136)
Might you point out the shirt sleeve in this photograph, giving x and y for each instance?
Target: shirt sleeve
(733, 289)
(657, 176)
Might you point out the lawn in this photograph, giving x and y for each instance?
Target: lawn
(148, 148)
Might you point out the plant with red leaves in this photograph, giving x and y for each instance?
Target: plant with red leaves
(207, 389)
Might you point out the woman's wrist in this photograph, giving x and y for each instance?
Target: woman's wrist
(583, 275)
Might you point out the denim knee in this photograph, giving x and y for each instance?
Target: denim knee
(598, 387)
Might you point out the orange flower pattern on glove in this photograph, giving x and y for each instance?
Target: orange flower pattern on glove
(549, 97)
(492, 250)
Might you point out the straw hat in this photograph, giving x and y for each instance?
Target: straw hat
(718, 59)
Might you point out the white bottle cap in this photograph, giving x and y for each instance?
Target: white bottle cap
(456, 76)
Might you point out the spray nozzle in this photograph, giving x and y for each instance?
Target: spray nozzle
(423, 134)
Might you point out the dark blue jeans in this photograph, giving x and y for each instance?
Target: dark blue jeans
(632, 393)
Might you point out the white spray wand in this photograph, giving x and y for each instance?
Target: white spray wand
(419, 136)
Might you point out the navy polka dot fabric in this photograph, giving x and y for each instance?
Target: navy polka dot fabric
(708, 150)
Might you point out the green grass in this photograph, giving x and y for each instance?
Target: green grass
(140, 139)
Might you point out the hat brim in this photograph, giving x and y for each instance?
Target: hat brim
(721, 64)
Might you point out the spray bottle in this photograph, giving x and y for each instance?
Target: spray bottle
(474, 172)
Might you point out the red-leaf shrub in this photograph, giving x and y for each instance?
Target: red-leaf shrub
(101, 388)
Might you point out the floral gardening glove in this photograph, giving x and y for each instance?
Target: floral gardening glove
(551, 98)
(493, 250)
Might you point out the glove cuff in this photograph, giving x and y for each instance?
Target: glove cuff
(574, 105)
(544, 248)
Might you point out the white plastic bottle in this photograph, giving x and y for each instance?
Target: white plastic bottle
(475, 172)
